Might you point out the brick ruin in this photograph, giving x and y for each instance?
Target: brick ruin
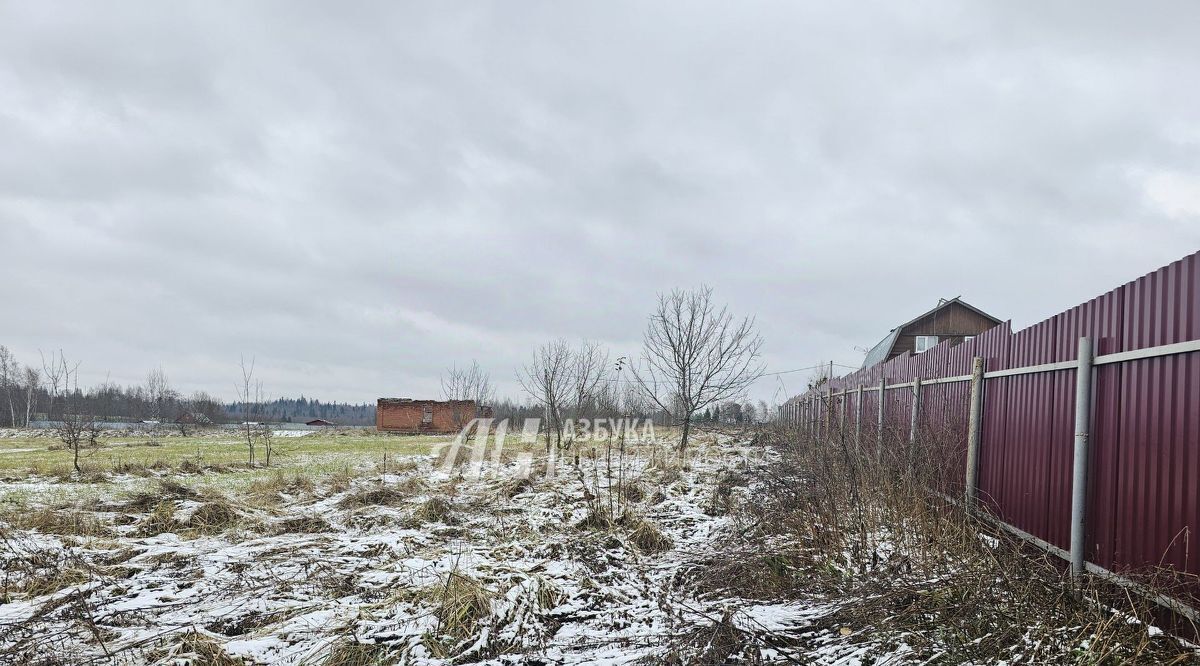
(423, 416)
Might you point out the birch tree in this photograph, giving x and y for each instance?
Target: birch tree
(32, 381)
(8, 378)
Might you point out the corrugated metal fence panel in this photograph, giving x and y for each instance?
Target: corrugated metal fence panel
(1024, 490)
(1099, 319)
(1144, 495)
(949, 415)
(992, 451)
(1157, 516)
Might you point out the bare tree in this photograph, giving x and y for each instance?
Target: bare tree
(77, 428)
(695, 355)
(589, 369)
(158, 393)
(76, 431)
(546, 380)
(33, 381)
(8, 380)
(248, 391)
(57, 375)
(470, 383)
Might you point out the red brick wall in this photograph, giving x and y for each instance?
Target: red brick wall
(401, 415)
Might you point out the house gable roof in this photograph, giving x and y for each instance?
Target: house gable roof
(880, 351)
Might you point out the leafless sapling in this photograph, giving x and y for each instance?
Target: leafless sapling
(695, 355)
(545, 379)
(472, 383)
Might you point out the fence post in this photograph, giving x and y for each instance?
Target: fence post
(829, 415)
(1079, 478)
(916, 408)
(912, 425)
(879, 424)
(974, 426)
(858, 420)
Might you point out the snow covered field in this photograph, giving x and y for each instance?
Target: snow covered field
(375, 551)
(417, 566)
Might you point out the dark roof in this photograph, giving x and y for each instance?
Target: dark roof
(880, 351)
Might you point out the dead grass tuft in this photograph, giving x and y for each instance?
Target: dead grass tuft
(160, 520)
(719, 643)
(649, 539)
(463, 603)
(354, 653)
(436, 510)
(379, 495)
(214, 516)
(632, 491)
(165, 490)
(65, 522)
(196, 648)
(304, 525)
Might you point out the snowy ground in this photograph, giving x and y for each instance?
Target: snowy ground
(417, 567)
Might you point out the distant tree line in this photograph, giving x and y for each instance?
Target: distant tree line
(733, 412)
(48, 389)
(300, 410)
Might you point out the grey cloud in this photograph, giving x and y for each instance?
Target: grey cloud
(363, 195)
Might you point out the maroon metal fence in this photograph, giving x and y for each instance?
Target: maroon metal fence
(1143, 501)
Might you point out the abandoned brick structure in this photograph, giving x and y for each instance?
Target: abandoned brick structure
(432, 416)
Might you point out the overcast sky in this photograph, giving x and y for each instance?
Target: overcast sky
(361, 194)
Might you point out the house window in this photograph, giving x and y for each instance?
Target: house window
(427, 415)
(926, 342)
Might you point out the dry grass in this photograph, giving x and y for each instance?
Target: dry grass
(353, 653)
(194, 647)
(463, 603)
(649, 539)
(166, 490)
(908, 566)
(65, 522)
(280, 486)
(379, 495)
(160, 520)
(215, 516)
(642, 533)
(304, 525)
(436, 510)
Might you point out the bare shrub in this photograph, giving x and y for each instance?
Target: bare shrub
(909, 565)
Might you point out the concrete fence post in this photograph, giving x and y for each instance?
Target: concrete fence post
(1079, 477)
(974, 428)
(912, 423)
(879, 420)
(829, 415)
(858, 420)
(916, 409)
